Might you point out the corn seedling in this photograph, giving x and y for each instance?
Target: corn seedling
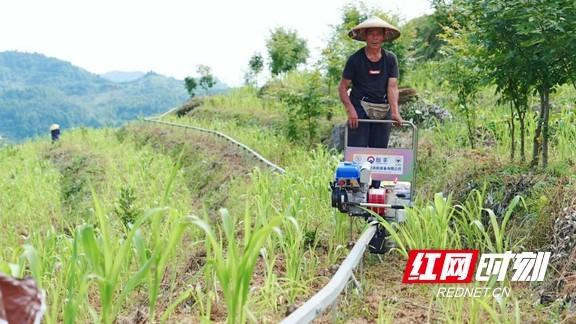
(109, 256)
(292, 248)
(163, 242)
(470, 219)
(425, 227)
(234, 267)
(271, 291)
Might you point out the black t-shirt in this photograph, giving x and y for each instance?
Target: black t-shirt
(370, 79)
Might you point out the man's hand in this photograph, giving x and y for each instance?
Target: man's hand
(397, 119)
(345, 98)
(392, 92)
(352, 118)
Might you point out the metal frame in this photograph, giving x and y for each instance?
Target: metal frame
(414, 143)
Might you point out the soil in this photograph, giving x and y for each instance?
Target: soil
(223, 163)
(383, 284)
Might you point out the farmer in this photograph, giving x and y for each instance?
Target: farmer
(373, 74)
(55, 132)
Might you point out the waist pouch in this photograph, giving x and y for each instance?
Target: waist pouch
(375, 110)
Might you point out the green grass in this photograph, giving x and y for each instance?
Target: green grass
(103, 221)
(466, 222)
(69, 248)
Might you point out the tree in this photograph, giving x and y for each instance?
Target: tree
(191, 85)
(255, 66)
(527, 46)
(461, 72)
(514, 90)
(550, 44)
(340, 46)
(424, 33)
(307, 105)
(286, 50)
(206, 80)
(304, 98)
(503, 62)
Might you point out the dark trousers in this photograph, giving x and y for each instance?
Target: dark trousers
(369, 135)
(55, 134)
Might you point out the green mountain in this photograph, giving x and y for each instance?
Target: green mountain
(37, 91)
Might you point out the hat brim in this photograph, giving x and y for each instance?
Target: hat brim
(359, 32)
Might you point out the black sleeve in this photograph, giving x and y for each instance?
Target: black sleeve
(349, 69)
(392, 65)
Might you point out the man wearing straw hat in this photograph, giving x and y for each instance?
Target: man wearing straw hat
(373, 74)
(55, 132)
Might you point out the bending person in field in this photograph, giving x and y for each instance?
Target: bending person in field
(373, 74)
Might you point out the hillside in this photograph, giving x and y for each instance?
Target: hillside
(36, 91)
(134, 171)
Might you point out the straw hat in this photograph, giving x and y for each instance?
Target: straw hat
(54, 127)
(359, 32)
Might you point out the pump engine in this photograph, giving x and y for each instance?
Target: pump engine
(353, 188)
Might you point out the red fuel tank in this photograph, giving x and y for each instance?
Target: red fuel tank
(377, 196)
